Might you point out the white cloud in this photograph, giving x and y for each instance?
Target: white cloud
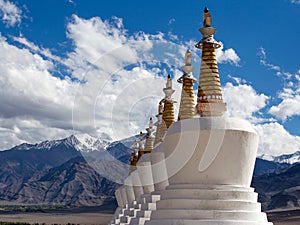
(289, 107)
(227, 56)
(295, 1)
(117, 95)
(10, 13)
(263, 61)
(36, 49)
(276, 140)
(30, 93)
(121, 92)
(243, 101)
(290, 94)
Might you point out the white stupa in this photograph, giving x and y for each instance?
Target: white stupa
(200, 173)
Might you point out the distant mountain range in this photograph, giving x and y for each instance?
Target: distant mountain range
(84, 171)
(289, 159)
(62, 172)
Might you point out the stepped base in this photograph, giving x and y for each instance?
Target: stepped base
(197, 204)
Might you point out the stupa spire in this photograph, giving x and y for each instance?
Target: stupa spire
(168, 113)
(158, 124)
(149, 138)
(210, 100)
(134, 156)
(187, 103)
(141, 146)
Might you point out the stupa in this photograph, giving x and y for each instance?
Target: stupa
(200, 172)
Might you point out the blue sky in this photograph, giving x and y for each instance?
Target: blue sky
(88, 65)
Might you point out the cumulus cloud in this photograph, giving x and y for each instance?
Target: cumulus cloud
(10, 13)
(29, 92)
(289, 95)
(243, 101)
(289, 107)
(227, 56)
(276, 140)
(119, 83)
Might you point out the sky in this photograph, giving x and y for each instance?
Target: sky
(99, 67)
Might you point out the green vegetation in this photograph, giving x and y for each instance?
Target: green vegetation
(29, 208)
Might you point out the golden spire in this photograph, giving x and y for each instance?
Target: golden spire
(149, 138)
(168, 114)
(187, 103)
(210, 100)
(134, 156)
(158, 124)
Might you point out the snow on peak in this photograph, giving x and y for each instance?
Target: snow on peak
(87, 143)
(289, 159)
(267, 157)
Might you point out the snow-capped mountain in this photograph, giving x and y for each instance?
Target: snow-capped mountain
(288, 158)
(87, 143)
(81, 142)
(72, 171)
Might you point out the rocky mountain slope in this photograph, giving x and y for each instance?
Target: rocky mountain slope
(279, 190)
(62, 172)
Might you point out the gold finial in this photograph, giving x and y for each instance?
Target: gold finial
(207, 22)
(188, 58)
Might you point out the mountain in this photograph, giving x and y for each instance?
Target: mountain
(72, 171)
(266, 167)
(289, 158)
(279, 190)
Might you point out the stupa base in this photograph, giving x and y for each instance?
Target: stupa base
(198, 204)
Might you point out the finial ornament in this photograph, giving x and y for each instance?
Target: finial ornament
(169, 90)
(141, 142)
(188, 58)
(207, 18)
(207, 31)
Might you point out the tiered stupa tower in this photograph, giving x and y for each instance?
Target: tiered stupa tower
(168, 101)
(201, 172)
(159, 124)
(141, 146)
(210, 100)
(134, 156)
(187, 103)
(149, 138)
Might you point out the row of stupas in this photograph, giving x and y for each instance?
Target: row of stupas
(198, 169)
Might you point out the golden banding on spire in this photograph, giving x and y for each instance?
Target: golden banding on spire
(158, 124)
(149, 138)
(210, 100)
(187, 103)
(168, 114)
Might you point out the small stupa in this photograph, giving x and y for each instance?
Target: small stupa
(187, 103)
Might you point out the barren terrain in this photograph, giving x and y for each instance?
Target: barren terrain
(100, 218)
